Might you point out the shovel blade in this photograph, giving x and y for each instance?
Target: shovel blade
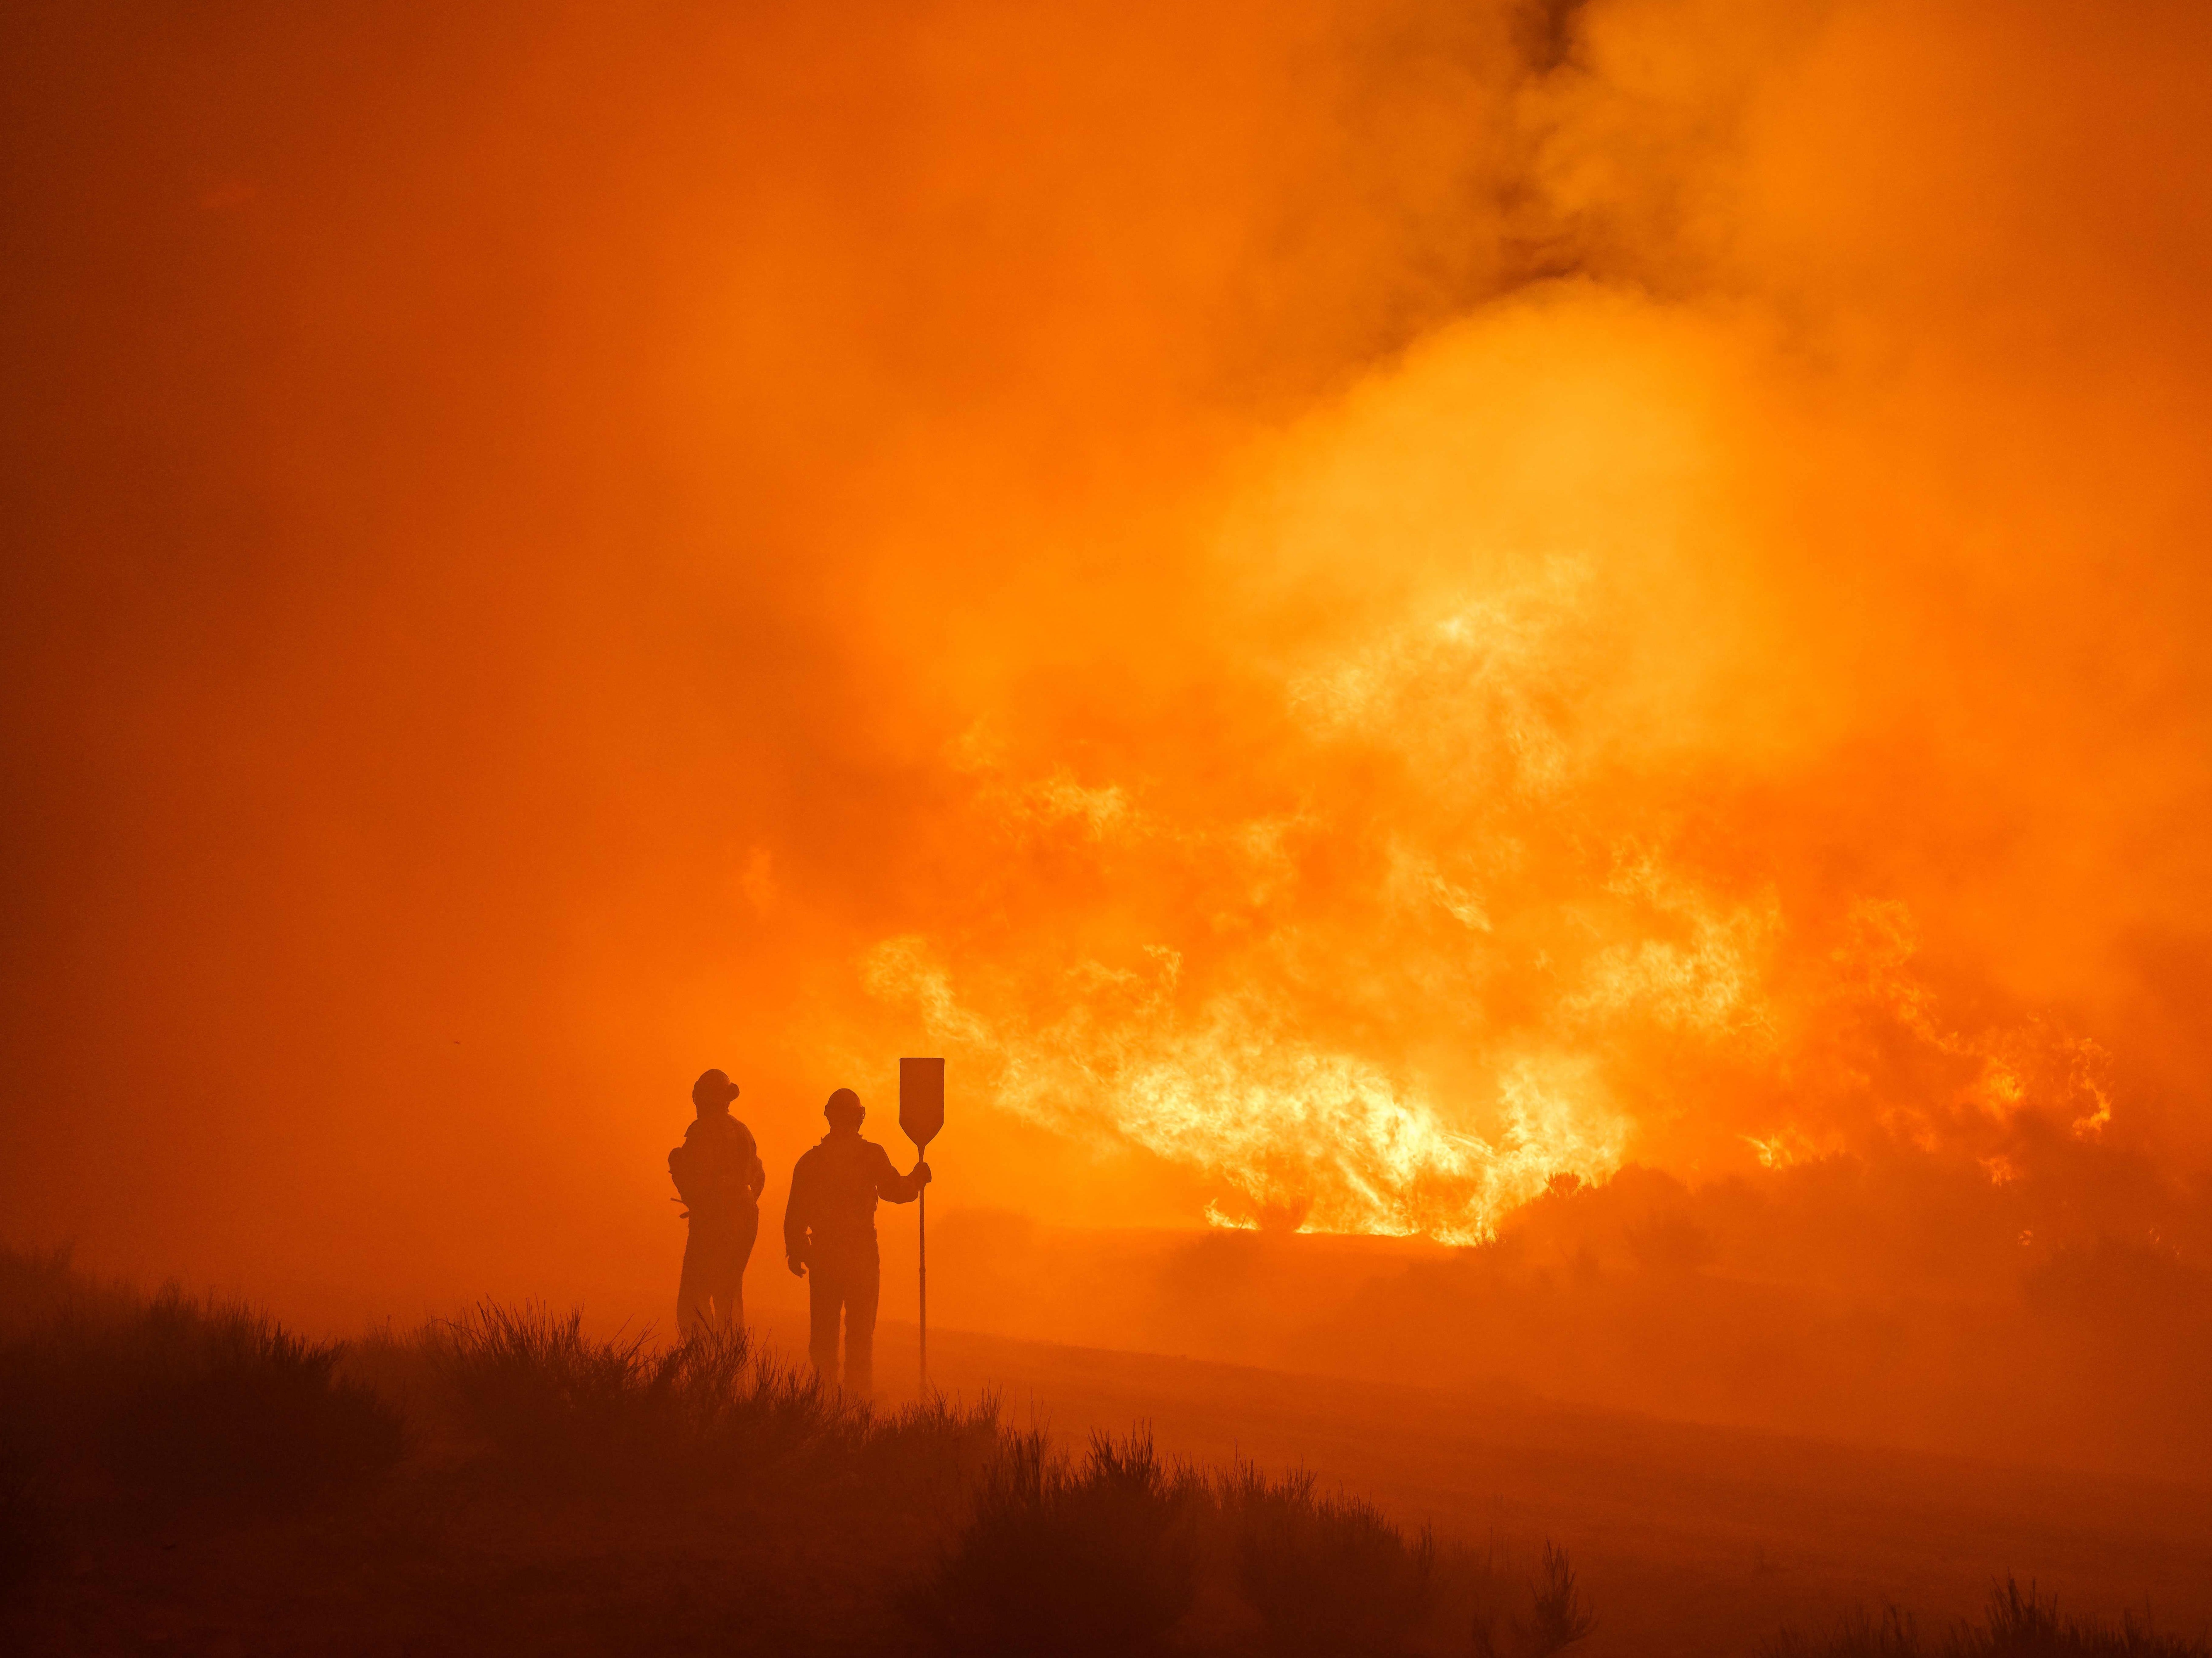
(921, 1099)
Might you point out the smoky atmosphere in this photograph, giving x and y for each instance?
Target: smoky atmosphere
(1456, 754)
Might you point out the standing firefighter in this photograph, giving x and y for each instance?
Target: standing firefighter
(718, 1175)
(829, 1237)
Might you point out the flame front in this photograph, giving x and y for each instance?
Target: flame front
(1296, 1136)
(1472, 892)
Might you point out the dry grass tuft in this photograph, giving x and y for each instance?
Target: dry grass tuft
(2017, 1624)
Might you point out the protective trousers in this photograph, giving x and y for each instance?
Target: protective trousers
(712, 1290)
(844, 1278)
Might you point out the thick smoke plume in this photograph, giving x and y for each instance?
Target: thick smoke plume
(1364, 612)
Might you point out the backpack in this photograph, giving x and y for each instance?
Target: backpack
(710, 1171)
(683, 1169)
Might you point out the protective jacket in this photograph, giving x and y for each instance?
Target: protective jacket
(718, 1171)
(833, 1197)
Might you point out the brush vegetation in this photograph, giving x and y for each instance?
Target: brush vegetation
(181, 1470)
(186, 1473)
(2017, 1622)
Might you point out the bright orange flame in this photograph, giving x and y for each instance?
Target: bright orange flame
(1443, 931)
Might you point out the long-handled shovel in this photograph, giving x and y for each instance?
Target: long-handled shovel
(922, 1113)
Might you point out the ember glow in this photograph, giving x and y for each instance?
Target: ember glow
(1362, 611)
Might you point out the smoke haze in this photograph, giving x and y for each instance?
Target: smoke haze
(1369, 615)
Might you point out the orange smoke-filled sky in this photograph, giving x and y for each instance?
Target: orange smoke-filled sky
(1351, 607)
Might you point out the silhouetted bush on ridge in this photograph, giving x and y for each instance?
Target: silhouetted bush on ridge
(1325, 1574)
(1061, 1558)
(177, 1399)
(1122, 1552)
(230, 1403)
(979, 1538)
(550, 1406)
(2017, 1624)
(1558, 1615)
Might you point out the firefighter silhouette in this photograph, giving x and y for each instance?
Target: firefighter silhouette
(718, 1176)
(829, 1238)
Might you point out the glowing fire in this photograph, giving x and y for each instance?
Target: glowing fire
(1298, 1136)
(1437, 938)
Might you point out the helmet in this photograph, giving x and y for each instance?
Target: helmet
(714, 1090)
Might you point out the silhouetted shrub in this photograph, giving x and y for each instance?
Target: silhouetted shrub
(38, 1286)
(1325, 1575)
(542, 1398)
(1558, 1618)
(175, 1399)
(552, 1406)
(225, 1402)
(2018, 1624)
(1857, 1634)
(1055, 1559)
(1117, 1553)
(2024, 1625)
